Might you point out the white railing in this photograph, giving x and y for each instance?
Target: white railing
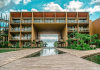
(83, 21)
(72, 29)
(49, 21)
(26, 38)
(60, 21)
(25, 29)
(71, 21)
(15, 21)
(26, 21)
(83, 29)
(15, 29)
(16, 37)
(38, 21)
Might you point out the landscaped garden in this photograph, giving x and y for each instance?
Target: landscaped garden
(80, 41)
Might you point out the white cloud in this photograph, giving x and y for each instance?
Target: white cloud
(94, 1)
(24, 10)
(7, 2)
(74, 6)
(34, 10)
(17, 1)
(26, 1)
(11, 10)
(52, 7)
(95, 9)
(4, 3)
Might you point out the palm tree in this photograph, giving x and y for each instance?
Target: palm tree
(55, 44)
(45, 44)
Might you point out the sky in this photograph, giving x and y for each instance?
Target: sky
(91, 6)
(49, 39)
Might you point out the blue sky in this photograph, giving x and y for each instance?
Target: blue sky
(91, 6)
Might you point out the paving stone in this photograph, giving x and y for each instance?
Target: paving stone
(8, 57)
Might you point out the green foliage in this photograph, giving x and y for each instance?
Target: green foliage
(41, 44)
(17, 45)
(33, 42)
(82, 41)
(55, 44)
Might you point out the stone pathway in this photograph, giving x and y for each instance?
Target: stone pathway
(8, 57)
(79, 53)
(52, 62)
(67, 61)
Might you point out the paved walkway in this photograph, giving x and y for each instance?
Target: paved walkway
(52, 62)
(8, 57)
(66, 61)
(80, 53)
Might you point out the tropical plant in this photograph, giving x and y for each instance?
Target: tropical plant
(33, 43)
(41, 44)
(45, 44)
(55, 44)
(82, 41)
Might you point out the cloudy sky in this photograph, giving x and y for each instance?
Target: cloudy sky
(49, 39)
(91, 6)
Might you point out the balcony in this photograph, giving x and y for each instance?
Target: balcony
(49, 21)
(72, 29)
(71, 21)
(15, 38)
(83, 29)
(26, 21)
(60, 21)
(83, 21)
(26, 29)
(38, 20)
(25, 38)
(15, 21)
(15, 29)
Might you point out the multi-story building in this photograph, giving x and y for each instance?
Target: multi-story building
(96, 27)
(27, 26)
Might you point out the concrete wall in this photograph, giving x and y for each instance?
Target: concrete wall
(96, 27)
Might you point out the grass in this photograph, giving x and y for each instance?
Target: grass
(1, 51)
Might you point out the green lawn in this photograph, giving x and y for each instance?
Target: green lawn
(9, 49)
(1, 51)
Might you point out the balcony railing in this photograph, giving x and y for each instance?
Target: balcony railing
(71, 21)
(15, 38)
(83, 29)
(38, 21)
(49, 21)
(26, 29)
(72, 29)
(25, 38)
(60, 21)
(15, 21)
(15, 29)
(26, 21)
(83, 21)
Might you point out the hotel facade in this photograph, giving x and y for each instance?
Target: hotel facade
(28, 26)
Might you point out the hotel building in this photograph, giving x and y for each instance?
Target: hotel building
(28, 26)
